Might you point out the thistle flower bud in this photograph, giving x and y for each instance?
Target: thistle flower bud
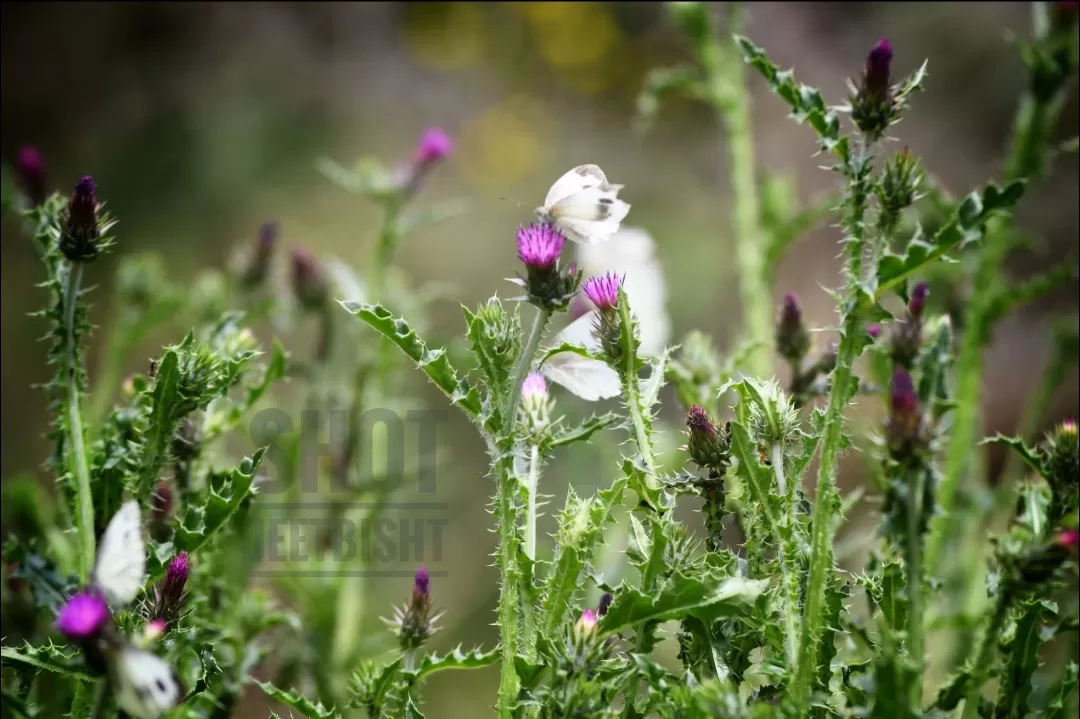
(308, 281)
(792, 337)
(1061, 458)
(708, 447)
(1068, 539)
(586, 625)
(549, 286)
(906, 338)
(900, 183)
(874, 331)
(79, 239)
(1040, 564)
(31, 169)
(169, 594)
(256, 265)
(904, 417)
(414, 622)
(604, 605)
(535, 402)
(155, 629)
(872, 107)
(83, 616)
(603, 292)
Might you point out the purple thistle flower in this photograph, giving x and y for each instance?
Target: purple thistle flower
(156, 628)
(874, 331)
(586, 625)
(603, 291)
(707, 446)
(904, 417)
(422, 582)
(82, 209)
(539, 246)
(902, 392)
(177, 573)
(605, 604)
(878, 68)
(434, 145)
(32, 173)
(1068, 539)
(792, 337)
(83, 616)
(917, 302)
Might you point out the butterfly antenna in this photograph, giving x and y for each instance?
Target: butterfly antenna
(516, 202)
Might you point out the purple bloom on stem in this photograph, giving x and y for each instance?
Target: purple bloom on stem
(534, 388)
(902, 391)
(792, 337)
(177, 573)
(539, 246)
(874, 331)
(917, 302)
(83, 616)
(878, 68)
(32, 173)
(586, 625)
(1068, 539)
(605, 604)
(435, 145)
(603, 291)
(422, 582)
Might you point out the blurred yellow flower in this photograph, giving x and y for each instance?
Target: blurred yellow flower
(445, 36)
(576, 40)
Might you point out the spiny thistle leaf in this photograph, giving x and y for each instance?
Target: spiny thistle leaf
(706, 596)
(297, 701)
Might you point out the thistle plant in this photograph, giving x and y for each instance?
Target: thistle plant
(749, 608)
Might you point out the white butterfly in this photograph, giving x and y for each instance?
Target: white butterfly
(583, 206)
(632, 254)
(588, 378)
(146, 686)
(120, 569)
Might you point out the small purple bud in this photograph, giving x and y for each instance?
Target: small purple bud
(422, 582)
(902, 392)
(1068, 539)
(539, 246)
(82, 209)
(309, 284)
(586, 625)
(917, 302)
(904, 416)
(874, 331)
(878, 68)
(603, 291)
(435, 145)
(156, 628)
(792, 337)
(32, 174)
(83, 616)
(605, 604)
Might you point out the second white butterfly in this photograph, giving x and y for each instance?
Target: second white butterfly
(584, 206)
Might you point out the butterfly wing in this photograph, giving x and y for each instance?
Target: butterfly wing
(145, 685)
(120, 569)
(590, 379)
(574, 181)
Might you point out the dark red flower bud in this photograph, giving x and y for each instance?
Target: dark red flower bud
(792, 337)
(605, 604)
(79, 240)
(904, 418)
(878, 68)
(917, 301)
(707, 446)
(309, 283)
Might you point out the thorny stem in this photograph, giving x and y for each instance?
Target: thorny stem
(732, 102)
(832, 435)
(785, 551)
(1034, 122)
(913, 563)
(507, 521)
(84, 500)
(985, 655)
(530, 511)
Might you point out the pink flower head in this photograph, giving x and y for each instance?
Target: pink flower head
(32, 173)
(586, 625)
(177, 573)
(83, 616)
(603, 291)
(422, 582)
(1069, 539)
(156, 628)
(539, 245)
(435, 145)
(902, 390)
(874, 331)
(534, 388)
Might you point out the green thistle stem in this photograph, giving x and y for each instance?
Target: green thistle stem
(785, 552)
(913, 564)
(985, 655)
(84, 514)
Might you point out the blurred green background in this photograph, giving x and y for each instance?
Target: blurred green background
(201, 121)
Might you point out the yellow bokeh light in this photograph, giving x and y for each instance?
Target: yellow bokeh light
(445, 36)
(504, 143)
